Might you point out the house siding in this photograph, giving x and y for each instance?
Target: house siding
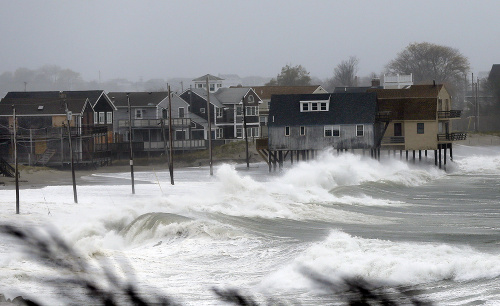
(314, 138)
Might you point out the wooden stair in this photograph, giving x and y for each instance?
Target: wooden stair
(6, 169)
(46, 156)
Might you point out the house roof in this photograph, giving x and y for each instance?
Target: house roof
(42, 106)
(138, 99)
(414, 91)
(92, 95)
(409, 108)
(494, 72)
(210, 78)
(231, 95)
(344, 108)
(265, 92)
(202, 92)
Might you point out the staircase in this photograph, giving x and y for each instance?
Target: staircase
(46, 156)
(6, 169)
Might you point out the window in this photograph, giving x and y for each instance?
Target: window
(251, 110)
(181, 112)
(220, 133)
(109, 117)
(360, 130)
(263, 120)
(239, 110)
(287, 131)
(239, 133)
(314, 106)
(219, 85)
(219, 112)
(420, 128)
(180, 135)
(139, 114)
(302, 130)
(398, 129)
(332, 130)
(101, 117)
(212, 87)
(202, 110)
(253, 132)
(96, 117)
(250, 99)
(199, 85)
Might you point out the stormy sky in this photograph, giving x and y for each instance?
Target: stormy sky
(189, 38)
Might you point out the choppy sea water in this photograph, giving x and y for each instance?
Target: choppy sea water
(401, 223)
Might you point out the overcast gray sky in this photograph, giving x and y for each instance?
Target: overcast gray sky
(189, 38)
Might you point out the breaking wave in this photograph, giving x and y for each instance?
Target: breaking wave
(400, 263)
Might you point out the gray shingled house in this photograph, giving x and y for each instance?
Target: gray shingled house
(309, 122)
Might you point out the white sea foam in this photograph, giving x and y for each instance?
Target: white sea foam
(342, 255)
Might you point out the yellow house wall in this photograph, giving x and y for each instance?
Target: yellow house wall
(426, 141)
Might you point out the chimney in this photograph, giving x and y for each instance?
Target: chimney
(375, 82)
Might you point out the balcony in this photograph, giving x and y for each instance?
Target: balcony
(138, 123)
(192, 144)
(452, 136)
(451, 114)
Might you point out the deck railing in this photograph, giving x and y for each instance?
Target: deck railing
(154, 122)
(452, 136)
(450, 114)
(393, 140)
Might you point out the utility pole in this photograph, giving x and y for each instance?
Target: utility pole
(170, 140)
(245, 131)
(16, 170)
(68, 117)
(130, 143)
(477, 105)
(209, 130)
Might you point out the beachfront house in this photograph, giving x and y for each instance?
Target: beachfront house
(266, 92)
(42, 127)
(309, 122)
(150, 123)
(420, 117)
(226, 111)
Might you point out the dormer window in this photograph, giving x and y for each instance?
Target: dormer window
(315, 106)
(40, 107)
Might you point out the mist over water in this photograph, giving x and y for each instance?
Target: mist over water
(391, 221)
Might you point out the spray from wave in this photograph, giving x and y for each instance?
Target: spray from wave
(341, 255)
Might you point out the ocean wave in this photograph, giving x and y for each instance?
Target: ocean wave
(330, 170)
(479, 164)
(400, 263)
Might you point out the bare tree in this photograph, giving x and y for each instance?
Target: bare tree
(345, 73)
(430, 62)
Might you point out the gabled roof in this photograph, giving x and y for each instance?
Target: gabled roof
(202, 93)
(414, 91)
(494, 72)
(42, 106)
(344, 108)
(210, 78)
(137, 99)
(231, 95)
(265, 92)
(92, 95)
